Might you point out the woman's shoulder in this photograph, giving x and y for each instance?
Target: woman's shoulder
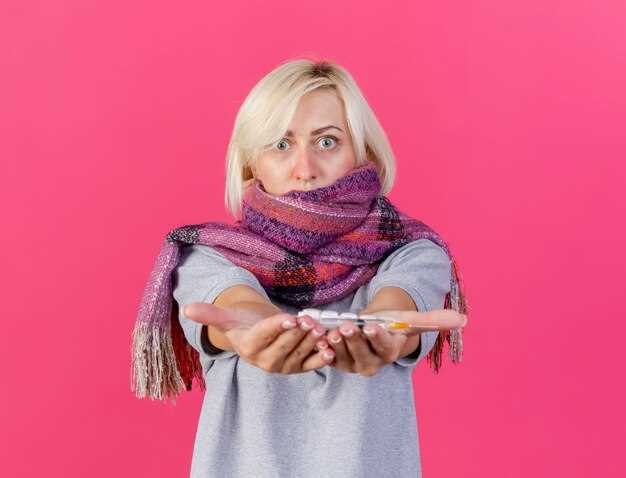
(201, 255)
(199, 260)
(418, 251)
(195, 250)
(420, 267)
(204, 267)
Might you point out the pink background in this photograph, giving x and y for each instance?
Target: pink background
(508, 124)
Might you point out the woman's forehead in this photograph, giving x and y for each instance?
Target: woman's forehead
(317, 112)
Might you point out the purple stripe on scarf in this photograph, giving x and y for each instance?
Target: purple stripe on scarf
(287, 236)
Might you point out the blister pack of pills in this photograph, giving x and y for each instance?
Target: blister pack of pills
(333, 319)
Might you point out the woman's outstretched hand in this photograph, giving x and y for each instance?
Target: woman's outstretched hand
(281, 343)
(366, 351)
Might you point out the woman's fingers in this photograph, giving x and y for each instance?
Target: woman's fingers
(296, 356)
(275, 354)
(263, 333)
(318, 360)
(386, 345)
(343, 359)
(357, 346)
(364, 351)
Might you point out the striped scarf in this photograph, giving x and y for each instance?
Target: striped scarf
(306, 248)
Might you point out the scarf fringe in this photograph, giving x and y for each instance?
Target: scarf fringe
(163, 363)
(455, 300)
(157, 372)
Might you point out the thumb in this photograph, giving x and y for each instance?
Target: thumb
(210, 314)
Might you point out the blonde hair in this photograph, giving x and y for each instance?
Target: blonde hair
(265, 114)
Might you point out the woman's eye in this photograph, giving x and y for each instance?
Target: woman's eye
(282, 141)
(328, 141)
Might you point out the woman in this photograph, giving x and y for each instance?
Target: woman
(308, 167)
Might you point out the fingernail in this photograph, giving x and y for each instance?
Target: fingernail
(306, 326)
(317, 332)
(346, 332)
(327, 355)
(322, 345)
(289, 324)
(370, 331)
(335, 339)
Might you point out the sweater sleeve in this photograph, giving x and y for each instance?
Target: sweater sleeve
(422, 269)
(201, 275)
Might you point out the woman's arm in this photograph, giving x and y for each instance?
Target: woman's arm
(394, 298)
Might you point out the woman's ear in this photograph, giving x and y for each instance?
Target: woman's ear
(251, 169)
(250, 174)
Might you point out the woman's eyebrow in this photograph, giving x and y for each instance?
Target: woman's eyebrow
(315, 131)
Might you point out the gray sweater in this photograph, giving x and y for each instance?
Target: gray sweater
(325, 422)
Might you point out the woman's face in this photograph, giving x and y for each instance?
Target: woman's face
(316, 150)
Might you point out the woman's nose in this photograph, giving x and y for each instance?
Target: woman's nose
(305, 168)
